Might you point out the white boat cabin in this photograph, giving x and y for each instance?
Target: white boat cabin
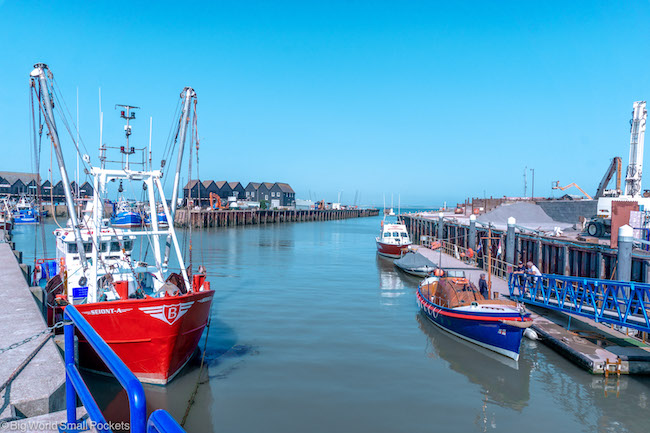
(112, 250)
(394, 234)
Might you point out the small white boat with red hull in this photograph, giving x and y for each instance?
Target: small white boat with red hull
(393, 240)
(151, 310)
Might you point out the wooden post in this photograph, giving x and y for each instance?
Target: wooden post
(489, 262)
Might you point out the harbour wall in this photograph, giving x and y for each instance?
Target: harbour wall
(32, 372)
(551, 255)
(226, 218)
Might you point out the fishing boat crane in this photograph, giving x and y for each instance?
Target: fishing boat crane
(151, 317)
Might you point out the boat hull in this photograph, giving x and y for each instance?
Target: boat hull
(422, 271)
(162, 221)
(25, 220)
(127, 220)
(486, 330)
(25, 217)
(392, 250)
(155, 337)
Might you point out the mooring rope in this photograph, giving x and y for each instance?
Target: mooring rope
(192, 399)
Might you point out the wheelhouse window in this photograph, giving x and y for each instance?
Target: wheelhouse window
(72, 247)
(395, 234)
(115, 246)
(386, 235)
(404, 235)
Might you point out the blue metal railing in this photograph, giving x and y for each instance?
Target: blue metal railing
(620, 303)
(160, 420)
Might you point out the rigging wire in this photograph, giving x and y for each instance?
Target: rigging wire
(170, 148)
(36, 170)
(198, 188)
(170, 145)
(196, 140)
(55, 88)
(40, 147)
(62, 115)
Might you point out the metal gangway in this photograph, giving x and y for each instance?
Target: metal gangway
(160, 421)
(622, 303)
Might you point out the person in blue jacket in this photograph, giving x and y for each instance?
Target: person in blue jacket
(483, 287)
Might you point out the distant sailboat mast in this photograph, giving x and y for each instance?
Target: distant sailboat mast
(150, 131)
(102, 150)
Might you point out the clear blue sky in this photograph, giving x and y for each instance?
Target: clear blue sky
(433, 100)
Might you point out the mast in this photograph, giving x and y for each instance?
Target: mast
(128, 115)
(150, 129)
(77, 195)
(39, 73)
(102, 149)
(187, 94)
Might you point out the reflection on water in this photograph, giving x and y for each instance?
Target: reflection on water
(113, 401)
(391, 281)
(298, 342)
(505, 381)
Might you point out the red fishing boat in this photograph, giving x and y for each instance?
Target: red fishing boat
(148, 310)
(158, 348)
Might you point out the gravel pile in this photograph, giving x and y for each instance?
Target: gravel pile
(527, 215)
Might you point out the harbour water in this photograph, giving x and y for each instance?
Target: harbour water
(311, 331)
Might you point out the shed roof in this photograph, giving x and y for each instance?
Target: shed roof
(221, 183)
(13, 176)
(285, 187)
(233, 185)
(255, 185)
(191, 184)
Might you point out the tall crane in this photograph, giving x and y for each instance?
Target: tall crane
(601, 223)
(637, 136)
(614, 167)
(556, 185)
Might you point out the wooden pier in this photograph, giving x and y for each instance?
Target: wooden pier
(225, 218)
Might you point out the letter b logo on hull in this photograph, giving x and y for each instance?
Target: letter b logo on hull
(168, 313)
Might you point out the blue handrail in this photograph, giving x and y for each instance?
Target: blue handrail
(622, 303)
(160, 420)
